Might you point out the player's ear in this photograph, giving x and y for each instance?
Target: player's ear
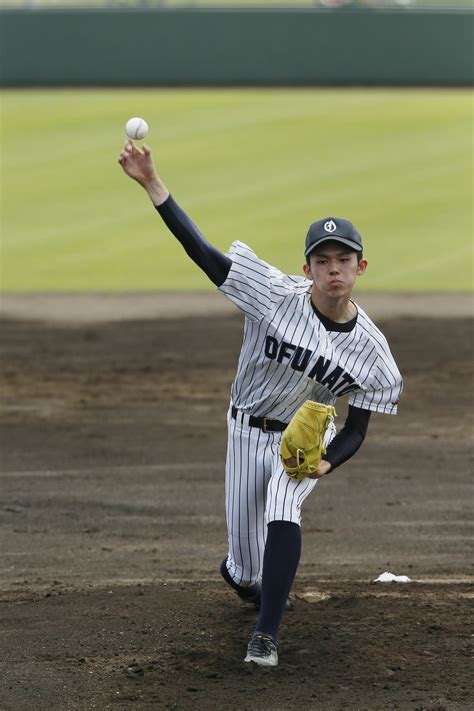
(307, 271)
(361, 267)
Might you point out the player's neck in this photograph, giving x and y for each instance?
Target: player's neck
(337, 309)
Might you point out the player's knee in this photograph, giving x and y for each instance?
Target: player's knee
(241, 576)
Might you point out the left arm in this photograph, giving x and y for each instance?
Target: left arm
(346, 443)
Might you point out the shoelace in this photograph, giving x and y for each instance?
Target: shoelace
(261, 646)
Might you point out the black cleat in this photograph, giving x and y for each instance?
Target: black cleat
(262, 650)
(250, 595)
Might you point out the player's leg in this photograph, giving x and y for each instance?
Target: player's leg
(248, 470)
(280, 562)
(283, 546)
(282, 553)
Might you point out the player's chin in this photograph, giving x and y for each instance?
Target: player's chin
(338, 289)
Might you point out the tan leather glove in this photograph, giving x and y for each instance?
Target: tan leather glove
(303, 439)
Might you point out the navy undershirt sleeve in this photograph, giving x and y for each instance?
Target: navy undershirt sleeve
(213, 262)
(348, 440)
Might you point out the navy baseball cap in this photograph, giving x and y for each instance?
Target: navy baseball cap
(332, 228)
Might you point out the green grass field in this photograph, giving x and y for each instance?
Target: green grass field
(255, 165)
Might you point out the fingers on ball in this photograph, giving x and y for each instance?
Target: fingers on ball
(130, 150)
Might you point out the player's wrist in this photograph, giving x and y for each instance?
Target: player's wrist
(325, 467)
(157, 192)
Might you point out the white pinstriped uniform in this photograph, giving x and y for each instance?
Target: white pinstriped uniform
(287, 357)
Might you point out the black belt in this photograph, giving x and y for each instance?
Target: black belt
(264, 423)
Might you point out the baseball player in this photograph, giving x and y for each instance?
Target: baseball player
(304, 338)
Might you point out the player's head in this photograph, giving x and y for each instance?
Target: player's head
(333, 229)
(334, 257)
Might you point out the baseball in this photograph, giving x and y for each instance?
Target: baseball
(136, 128)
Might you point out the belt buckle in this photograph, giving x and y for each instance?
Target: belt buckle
(264, 426)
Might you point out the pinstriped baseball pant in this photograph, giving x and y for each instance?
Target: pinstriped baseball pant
(257, 491)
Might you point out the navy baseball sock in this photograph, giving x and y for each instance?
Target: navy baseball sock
(280, 561)
(246, 593)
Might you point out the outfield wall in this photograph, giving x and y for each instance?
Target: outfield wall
(234, 47)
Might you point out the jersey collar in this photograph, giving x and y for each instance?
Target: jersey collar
(330, 325)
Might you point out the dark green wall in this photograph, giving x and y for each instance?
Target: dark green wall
(234, 46)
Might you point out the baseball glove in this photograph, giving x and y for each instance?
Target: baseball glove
(302, 444)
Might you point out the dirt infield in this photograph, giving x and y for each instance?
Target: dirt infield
(112, 523)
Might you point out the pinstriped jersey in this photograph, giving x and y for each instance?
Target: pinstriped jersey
(289, 356)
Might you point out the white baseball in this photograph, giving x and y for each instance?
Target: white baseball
(136, 128)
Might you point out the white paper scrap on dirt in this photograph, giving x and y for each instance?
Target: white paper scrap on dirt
(391, 578)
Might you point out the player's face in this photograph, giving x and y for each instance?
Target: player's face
(334, 269)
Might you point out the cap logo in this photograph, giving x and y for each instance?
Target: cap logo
(330, 226)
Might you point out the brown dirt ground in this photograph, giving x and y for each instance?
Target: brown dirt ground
(112, 527)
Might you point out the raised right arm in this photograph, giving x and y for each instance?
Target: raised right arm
(139, 166)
